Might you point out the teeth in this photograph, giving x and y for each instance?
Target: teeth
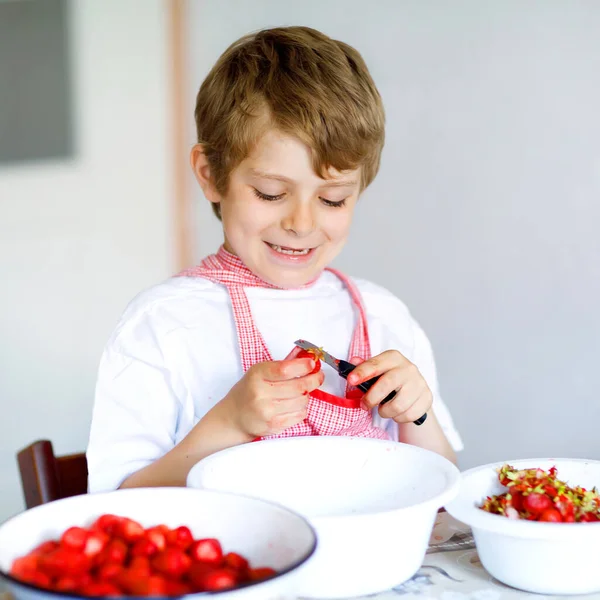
(282, 250)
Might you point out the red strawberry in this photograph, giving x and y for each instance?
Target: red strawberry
(220, 579)
(517, 500)
(156, 586)
(106, 523)
(109, 571)
(311, 354)
(180, 538)
(101, 588)
(197, 574)
(551, 515)
(536, 503)
(37, 578)
(144, 547)
(114, 552)
(83, 580)
(235, 561)
(207, 550)
(158, 536)
(141, 565)
(130, 530)
(75, 538)
(589, 518)
(63, 561)
(132, 583)
(176, 588)
(261, 573)
(66, 584)
(45, 547)
(162, 527)
(172, 562)
(23, 565)
(95, 543)
(127, 579)
(565, 506)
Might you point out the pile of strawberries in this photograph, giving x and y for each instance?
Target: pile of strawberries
(538, 495)
(116, 556)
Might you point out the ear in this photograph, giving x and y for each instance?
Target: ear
(202, 172)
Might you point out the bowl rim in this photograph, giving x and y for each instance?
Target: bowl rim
(438, 500)
(180, 490)
(474, 517)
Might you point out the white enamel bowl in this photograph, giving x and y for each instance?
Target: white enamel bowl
(267, 534)
(547, 558)
(373, 503)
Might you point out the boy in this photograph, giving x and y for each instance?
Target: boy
(290, 131)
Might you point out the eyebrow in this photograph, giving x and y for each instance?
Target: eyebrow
(329, 183)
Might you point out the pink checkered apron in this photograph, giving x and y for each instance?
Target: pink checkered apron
(327, 414)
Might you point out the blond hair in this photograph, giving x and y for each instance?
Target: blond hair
(300, 82)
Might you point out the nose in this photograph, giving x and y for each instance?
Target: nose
(299, 219)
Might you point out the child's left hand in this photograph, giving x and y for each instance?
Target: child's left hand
(413, 397)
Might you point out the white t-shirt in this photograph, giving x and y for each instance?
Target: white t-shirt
(174, 355)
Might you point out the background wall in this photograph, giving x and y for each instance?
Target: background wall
(80, 237)
(484, 216)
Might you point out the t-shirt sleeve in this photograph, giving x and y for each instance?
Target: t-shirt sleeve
(424, 359)
(395, 328)
(136, 409)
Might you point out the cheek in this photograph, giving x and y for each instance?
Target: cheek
(337, 226)
(244, 213)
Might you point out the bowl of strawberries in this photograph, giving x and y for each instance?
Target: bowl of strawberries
(536, 522)
(167, 542)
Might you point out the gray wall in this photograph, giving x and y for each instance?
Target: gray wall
(484, 216)
(80, 237)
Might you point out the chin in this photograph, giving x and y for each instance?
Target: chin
(288, 280)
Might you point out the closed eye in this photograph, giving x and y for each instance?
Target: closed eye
(333, 204)
(267, 197)
(273, 198)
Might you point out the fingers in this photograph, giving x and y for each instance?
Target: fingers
(377, 365)
(291, 388)
(408, 405)
(407, 383)
(280, 422)
(405, 397)
(356, 360)
(281, 370)
(412, 397)
(416, 411)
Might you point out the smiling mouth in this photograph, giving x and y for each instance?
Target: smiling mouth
(289, 251)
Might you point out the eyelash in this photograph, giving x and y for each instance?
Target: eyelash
(268, 198)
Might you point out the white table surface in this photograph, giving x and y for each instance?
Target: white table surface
(452, 571)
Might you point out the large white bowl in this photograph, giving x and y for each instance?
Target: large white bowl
(547, 558)
(267, 534)
(372, 502)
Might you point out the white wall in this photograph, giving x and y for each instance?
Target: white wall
(79, 238)
(485, 215)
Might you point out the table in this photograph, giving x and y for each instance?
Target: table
(451, 571)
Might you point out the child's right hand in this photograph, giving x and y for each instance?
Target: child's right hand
(272, 396)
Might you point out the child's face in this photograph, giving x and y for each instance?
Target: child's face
(282, 220)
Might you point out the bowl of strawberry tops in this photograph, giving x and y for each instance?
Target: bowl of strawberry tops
(165, 542)
(536, 522)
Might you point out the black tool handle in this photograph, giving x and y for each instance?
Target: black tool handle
(345, 368)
